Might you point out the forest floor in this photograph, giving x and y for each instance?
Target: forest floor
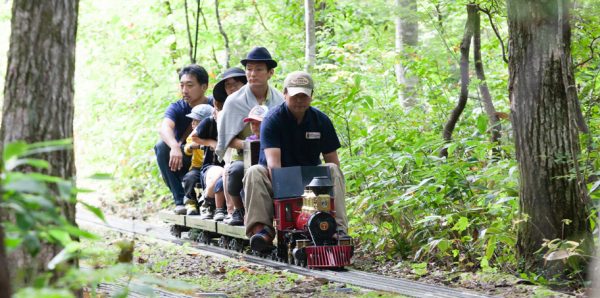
(236, 277)
(182, 270)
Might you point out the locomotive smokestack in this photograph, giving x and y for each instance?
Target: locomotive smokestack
(320, 185)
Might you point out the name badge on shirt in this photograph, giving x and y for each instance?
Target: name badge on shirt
(313, 135)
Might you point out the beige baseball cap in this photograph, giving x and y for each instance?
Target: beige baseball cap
(298, 82)
(257, 113)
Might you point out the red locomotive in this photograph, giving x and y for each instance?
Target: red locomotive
(305, 224)
(304, 220)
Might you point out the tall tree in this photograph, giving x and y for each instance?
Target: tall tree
(311, 42)
(465, 46)
(407, 37)
(486, 97)
(546, 117)
(225, 38)
(5, 288)
(38, 98)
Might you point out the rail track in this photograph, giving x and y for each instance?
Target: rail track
(349, 276)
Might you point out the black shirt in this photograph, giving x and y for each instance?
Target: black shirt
(300, 144)
(207, 129)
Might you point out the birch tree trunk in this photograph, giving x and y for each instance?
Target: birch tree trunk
(311, 42)
(545, 114)
(407, 33)
(38, 98)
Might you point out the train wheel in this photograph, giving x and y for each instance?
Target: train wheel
(231, 243)
(193, 235)
(202, 237)
(236, 244)
(224, 242)
(175, 231)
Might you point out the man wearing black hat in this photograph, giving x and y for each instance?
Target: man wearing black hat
(232, 129)
(259, 69)
(176, 127)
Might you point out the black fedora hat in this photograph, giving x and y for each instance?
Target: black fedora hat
(219, 90)
(260, 54)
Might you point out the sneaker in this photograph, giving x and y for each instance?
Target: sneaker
(219, 214)
(180, 210)
(237, 218)
(191, 207)
(227, 219)
(261, 241)
(206, 212)
(201, 200)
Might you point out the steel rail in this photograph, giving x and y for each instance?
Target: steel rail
(362, 279)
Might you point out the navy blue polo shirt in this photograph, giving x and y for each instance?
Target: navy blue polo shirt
(300, 144)
(177, 111)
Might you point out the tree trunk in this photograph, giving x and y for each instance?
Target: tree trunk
(173, 45)
(407, 37)
(311, 42)
(486, 98)
(225, 38)
(5, 289)
(38, 98)
(465, 45)
(544, 109)
(399, 67)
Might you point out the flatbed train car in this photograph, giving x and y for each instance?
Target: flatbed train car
(304, 221)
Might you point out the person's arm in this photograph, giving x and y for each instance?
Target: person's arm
(204, 134)
(203, 142)
(236, 143)
(191, 145)
(167, 134)
(331, 157)
(207, 142)
(273, 157)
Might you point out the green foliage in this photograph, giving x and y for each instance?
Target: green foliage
(402, 198)
(34, 203)
(407, 201)
(33, 199)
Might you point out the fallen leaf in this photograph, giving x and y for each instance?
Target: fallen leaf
(247, 270)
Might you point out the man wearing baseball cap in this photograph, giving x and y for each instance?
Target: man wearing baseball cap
(292, 134)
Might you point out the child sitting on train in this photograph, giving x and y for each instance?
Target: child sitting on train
(191, 148)
(213, 206)
(255, 117)
(235, 171)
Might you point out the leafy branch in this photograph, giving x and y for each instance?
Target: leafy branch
(591, 46)
(488, 12)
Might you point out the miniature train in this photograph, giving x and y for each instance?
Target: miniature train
(304, 220)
